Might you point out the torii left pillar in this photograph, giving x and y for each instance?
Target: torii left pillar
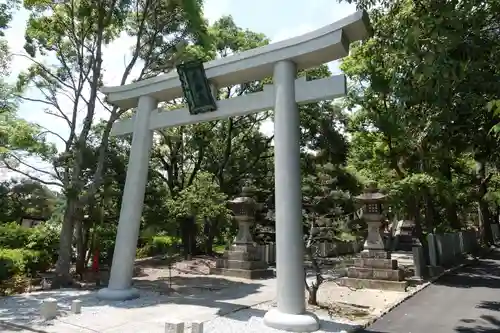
(120, 281)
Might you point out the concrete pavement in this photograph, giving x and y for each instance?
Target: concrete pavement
(467, 301)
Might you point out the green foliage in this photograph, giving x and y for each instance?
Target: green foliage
(158, 244)
(39, 238)
(26, 198)
(418, 90)
(203, 198)
(6, 9)
(13, 236)
(494, 107)
(22, 262)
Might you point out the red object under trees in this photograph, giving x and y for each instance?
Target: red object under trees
(95, 261)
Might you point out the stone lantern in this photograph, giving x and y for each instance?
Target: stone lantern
(372, 202)
(244, 208)
(243, 258)
(374, 268)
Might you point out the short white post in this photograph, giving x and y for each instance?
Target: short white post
(120, 281)
(197, 327)
(290, 313)
(76, 306)
(48, 309)
(174, 326)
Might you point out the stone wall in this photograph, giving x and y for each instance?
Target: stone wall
(267, 252)
(448, 248)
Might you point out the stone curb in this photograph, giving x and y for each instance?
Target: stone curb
(419, 289)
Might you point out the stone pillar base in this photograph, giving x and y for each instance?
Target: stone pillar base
(117, 294)
(242, 261)
(375, 269)
(306, 322)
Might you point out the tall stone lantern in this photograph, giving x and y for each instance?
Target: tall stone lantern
(374, 268)
(243, 258)
(372, 202)
(244, 208)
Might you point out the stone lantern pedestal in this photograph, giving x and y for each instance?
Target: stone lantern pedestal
(242, 259)
(374, 269)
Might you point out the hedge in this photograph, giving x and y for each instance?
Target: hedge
(158, 245)
(24, 252)
(15, 262)
(40, 238)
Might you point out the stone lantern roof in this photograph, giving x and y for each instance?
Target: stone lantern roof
(371, 194)
(244, 204)
(245, 196)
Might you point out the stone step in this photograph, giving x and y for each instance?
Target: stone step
(377, 254)
(241, 255)
(373, 284)
(375, 273)
(376, 263)
(243, 273)
(240, 264)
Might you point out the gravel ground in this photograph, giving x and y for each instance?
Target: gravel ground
(23, 310)
(251, 321)
(199, 296)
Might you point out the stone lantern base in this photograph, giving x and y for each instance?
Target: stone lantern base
(242, 261)
(375, 269)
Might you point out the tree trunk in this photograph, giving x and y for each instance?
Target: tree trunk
(483, 209)
(188, 232)
(430, 212)
(211, 228)
(80, 247)
(63, 264)
(82, 244)
(451, 206)
(312, 298)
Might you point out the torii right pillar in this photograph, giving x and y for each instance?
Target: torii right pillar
(290, 314)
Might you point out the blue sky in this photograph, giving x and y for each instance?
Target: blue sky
(277, 19)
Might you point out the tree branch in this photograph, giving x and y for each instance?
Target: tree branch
(48, 183)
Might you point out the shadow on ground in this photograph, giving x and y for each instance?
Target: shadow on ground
(485, 275)
(486, 323)
(204, 291)
(254, 318)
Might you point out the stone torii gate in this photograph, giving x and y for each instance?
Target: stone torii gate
(282, 60)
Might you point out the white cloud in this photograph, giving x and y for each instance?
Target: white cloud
(214, 9)
(301, 29)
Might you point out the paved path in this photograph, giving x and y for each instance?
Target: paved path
(467, 301)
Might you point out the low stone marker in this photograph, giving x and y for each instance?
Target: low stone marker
(76, 306)
(48, 309)
(197, 327)
(174, 326)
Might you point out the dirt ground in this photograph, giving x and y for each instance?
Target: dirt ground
(183, 277)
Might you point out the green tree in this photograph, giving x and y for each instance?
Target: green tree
(74, 33)
(422, 83)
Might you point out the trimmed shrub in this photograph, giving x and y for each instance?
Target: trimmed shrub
(13, 236)
(15, 285)
(14, 262)
(157, 245)
(39, 238)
